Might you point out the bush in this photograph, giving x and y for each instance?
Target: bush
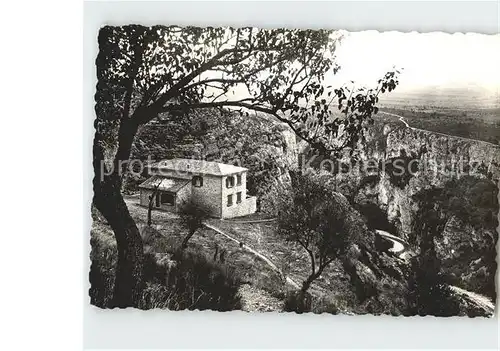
(189, 282)
(401, 169)
(177, 281)
(294, 302)
(102, 272)
(375, 217)
(328, 304)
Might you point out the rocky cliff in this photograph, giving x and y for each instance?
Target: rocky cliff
(438, 159)
(403, 176)
(395, 164)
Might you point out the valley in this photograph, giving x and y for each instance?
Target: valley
(378, 276)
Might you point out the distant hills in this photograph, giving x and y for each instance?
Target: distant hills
(464, 97)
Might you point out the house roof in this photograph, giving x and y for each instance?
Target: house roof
(165, 183)
(185, 165)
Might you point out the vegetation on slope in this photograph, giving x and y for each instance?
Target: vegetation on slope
(253, 141)
(455, 233)
(172, 279)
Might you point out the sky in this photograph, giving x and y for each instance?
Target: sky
(428, 59)
(438, 69)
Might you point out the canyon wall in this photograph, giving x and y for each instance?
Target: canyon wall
(395, 164)
(437, 159)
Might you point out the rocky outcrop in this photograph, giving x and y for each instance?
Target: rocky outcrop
(464, 243)
(471, 304)
(396, 164)
(379, 279)
(467, 256)
(439, 158)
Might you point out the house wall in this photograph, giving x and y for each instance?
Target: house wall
(212, 196)
(144, 197)
(209, 196)
(145, 193)
(182, 196)
(245, 207)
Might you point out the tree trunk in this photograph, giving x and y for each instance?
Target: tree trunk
(151, 203)
(128, 280)
(303, 300)
(149, 215)
(109, 201)
(307, 284)
(186, 239)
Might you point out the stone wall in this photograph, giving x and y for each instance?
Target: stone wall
(247, 204)
(181, 197)
(245, 207)
(209, 196)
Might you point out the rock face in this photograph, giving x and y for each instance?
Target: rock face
(471, 304)
(379, 279)
(467, 256)
(440, 158)
(396, 166)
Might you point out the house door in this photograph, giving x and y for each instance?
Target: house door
(157, 200)
(167, 199)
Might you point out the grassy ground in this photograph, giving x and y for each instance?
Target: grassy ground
(263, 287)
(289, 257)
(267, 288)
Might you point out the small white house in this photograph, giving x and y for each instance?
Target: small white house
(217, 187)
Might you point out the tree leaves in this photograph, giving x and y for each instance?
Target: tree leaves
(159, 69)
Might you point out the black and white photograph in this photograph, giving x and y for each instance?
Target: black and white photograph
(295, 170)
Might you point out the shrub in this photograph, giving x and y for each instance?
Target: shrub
(401, 169)
(189, 282)
(327, 304)
(102, 269)
(295, 301)
(177, 281)
(375, 217)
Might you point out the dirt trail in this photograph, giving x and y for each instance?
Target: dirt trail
(256, 253)
(481, 300)
(402, 120)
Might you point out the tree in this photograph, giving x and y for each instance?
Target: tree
(309, 216)
(429, 291)
(151, 202)
(144, 72)
(192, 217)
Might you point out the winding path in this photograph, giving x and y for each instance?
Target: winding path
(400, 246)
(482, 301)
(256, 253)
(402, 120)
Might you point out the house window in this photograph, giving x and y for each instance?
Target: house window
(229, 200)
(168, 143)
(238, 197)
(198, 181)
(238, 179)
(167, 199)
(229, 182)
